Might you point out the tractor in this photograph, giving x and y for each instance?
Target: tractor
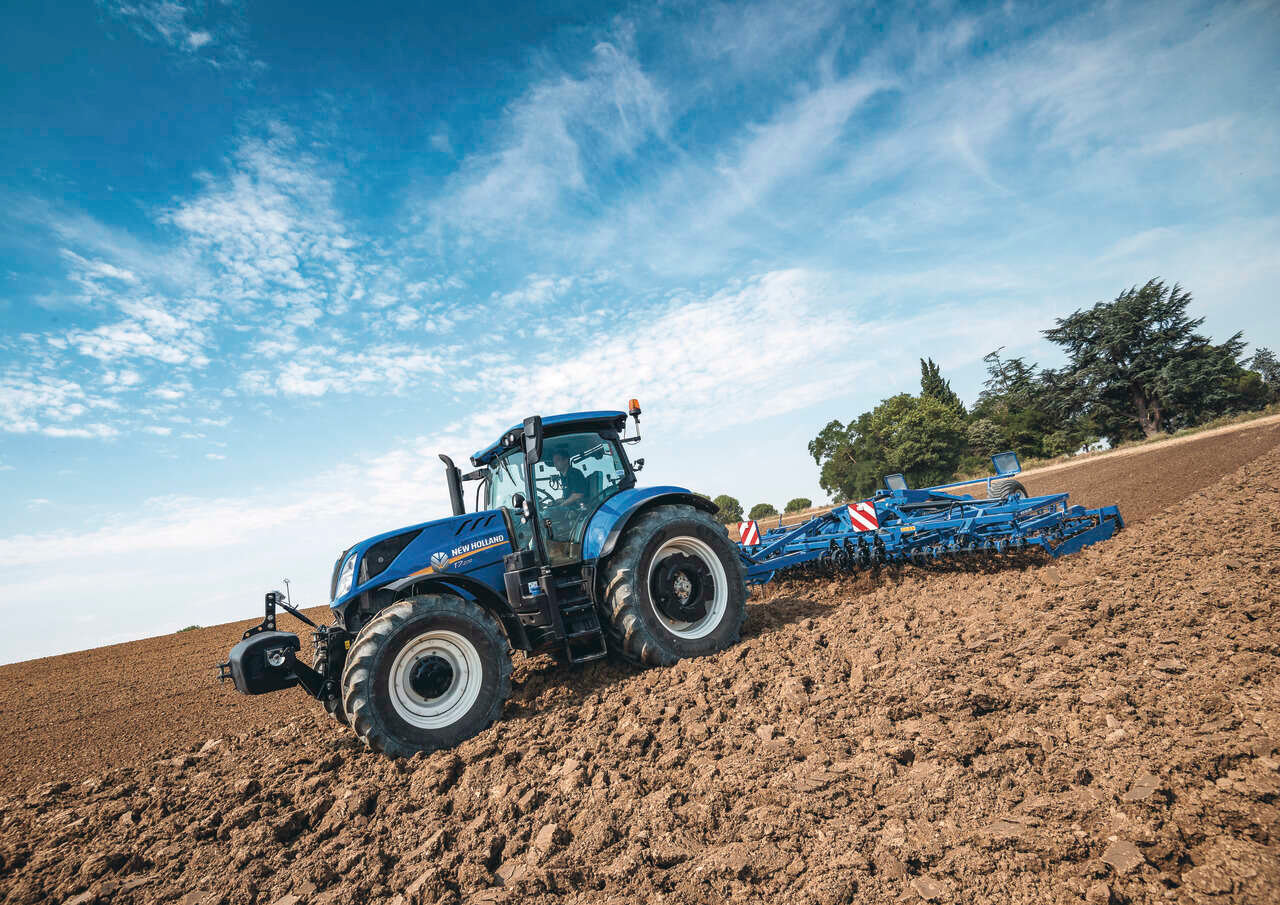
(564, 554)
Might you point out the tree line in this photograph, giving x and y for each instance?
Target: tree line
(1137, 367)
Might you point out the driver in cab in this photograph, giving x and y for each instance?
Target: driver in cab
(573, 483)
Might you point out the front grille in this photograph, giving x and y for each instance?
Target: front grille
(381, 554)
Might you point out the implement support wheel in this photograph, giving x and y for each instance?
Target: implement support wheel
(1007, 489)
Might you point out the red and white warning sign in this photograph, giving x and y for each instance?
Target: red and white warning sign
(749, 533)
(863, 516)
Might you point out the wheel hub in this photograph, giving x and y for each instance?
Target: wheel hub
(431, 677)
(681, 586)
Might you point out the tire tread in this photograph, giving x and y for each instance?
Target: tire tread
(359, 671)
(1003, 488)
(626, 631)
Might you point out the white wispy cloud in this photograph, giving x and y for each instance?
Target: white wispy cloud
(318, 370)
(269, 231)
(536, 290)
(53, 406)
(264, 269)
(212, 31)
(554, 142)
(171, 331)
(440, 141)
(86, 270)
(171, 392)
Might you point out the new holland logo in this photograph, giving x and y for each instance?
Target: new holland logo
(477, 545)
(443, 560)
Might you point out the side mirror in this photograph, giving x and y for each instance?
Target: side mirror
(637, 465)
(533, 439)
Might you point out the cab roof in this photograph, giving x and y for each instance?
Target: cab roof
(554, 425)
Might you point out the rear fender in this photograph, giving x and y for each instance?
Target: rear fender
(611, 519)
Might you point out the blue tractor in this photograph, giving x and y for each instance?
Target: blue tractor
(564, 554)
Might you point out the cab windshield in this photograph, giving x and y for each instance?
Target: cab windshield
(577, 473)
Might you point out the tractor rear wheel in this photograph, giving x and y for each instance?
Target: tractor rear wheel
(426, 673)
(675, 588)
(1006, 489)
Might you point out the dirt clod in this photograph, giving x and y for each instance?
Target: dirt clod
(930, 889)
(1098, 894)
(1142, 788)
(1123, 856)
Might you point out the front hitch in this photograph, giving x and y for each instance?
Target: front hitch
(268, 624)
(265, 659)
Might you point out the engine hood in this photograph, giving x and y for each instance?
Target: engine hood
(447, 546)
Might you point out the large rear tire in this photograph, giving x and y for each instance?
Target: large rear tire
(426, 673)
(675, 588)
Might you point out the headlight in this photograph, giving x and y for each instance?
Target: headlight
(345, 577)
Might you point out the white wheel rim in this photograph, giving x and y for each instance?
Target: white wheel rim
(464, 687)
(716, 607)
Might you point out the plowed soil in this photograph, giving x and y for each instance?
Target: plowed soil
(1144, 480)
(1100, 729)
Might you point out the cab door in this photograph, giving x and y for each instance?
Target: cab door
(504, 481)
(575, 476)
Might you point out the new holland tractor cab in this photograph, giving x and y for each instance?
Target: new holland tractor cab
(564, 554)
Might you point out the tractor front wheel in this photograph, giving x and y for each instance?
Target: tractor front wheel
(426, 673)
(675, 588)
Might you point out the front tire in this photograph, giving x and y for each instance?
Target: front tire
(426, 673)
(675, 588)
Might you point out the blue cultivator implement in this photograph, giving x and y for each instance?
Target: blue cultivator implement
(901, 525)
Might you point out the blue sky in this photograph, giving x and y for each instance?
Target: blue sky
(259, 265)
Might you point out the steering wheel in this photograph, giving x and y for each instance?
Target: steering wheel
(545, 498)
